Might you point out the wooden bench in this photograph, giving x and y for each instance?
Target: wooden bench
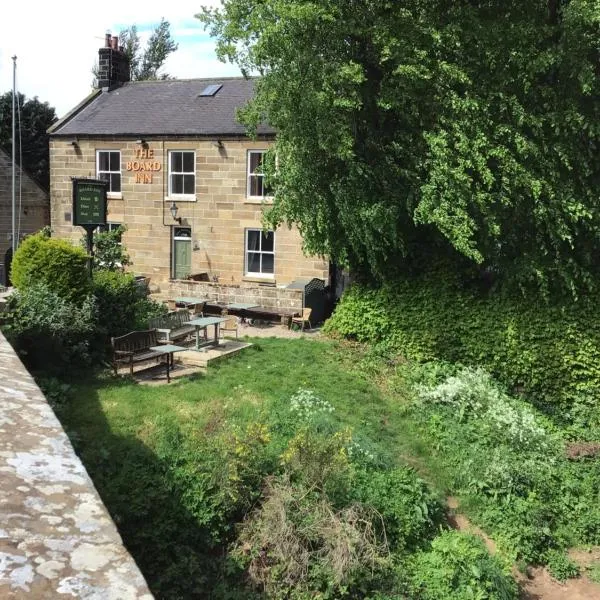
(134, 347)
(172, 327)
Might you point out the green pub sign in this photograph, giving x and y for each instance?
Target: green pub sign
(89, 202)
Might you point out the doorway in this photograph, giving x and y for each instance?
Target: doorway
(181, 252)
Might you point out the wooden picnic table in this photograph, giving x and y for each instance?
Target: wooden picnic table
(203, 323)
(168, 350)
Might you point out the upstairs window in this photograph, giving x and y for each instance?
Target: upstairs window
(260, 252)
(108, 168)
(182, 173)
(256, 176)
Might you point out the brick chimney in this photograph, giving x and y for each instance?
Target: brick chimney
(113, 64)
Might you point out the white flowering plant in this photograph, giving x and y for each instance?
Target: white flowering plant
(306, 405)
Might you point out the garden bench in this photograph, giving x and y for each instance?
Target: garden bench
(134, 347)
(172, 326)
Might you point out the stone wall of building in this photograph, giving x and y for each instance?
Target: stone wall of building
(57, 539)
(33, 212)
(218, 217)
(265, 296)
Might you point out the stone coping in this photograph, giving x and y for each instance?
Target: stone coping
(57, 539)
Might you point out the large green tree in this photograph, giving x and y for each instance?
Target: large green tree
(472, 126)
(35, 118)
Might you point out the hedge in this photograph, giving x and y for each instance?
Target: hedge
(548, 351)
(52, 262)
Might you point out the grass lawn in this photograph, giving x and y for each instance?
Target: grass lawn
(179, 465)
(136, 442)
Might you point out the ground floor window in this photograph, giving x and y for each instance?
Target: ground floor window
(111, 226)
(260, 252)
(181, 252)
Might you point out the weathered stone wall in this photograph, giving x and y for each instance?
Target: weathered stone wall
(57, 539)
(218, 216)
(268, 297)
(34, 211)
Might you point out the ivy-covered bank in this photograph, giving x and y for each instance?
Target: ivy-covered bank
(548, 352)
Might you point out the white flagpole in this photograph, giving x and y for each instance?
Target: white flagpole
(14, 204)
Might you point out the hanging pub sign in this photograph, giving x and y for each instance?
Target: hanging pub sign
(89, 202)
(89, 210)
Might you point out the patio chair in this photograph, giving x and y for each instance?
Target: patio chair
(231, 324)
(305, 318)
(198, 310)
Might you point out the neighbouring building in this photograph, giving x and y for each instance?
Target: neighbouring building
(183, 177)
(32, 210)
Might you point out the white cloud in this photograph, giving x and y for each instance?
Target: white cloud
(57, 43)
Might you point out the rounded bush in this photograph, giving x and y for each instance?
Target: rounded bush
(53, 262)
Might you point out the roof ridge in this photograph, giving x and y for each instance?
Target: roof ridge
(237, 78)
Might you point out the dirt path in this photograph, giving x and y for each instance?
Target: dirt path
(537, 583)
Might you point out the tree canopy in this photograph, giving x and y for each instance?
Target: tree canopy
(146, 63)
(36, 117)
(468, 126)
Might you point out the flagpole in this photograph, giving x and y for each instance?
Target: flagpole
(14, 203)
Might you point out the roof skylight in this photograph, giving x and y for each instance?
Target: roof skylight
(211, 90)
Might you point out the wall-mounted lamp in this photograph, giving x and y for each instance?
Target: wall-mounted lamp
(140, 141)
(219, 144)
(174, 208)
(74, 144)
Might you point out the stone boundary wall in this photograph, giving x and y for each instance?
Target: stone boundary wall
(267, 296)
(57, 539)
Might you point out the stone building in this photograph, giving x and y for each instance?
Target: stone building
(32, 210)
(183, 178)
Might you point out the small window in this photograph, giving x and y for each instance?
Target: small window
(108, 168)
(211, 90)
(182, 173)
(256, 176)
(260, 252)
(109, 227)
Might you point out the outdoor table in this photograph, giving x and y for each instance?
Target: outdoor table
(240, 306)
(203, 323)
(190, 302)
(168, 350)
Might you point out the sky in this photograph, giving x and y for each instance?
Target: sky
(56, 43)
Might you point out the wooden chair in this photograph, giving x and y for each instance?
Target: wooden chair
(305, 318)
(231, 324)
(198, 310)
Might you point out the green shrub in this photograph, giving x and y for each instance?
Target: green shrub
(458, 566)
(122, 306)
(509, 461)
(549, 352)
(50, 332)
(109, 252)
(561, 567)
(53, 262)
(410, 512)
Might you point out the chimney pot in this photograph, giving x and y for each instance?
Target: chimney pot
(107, 40)
(113, 64)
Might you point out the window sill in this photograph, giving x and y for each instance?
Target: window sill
(114, 195)
(180, 198)
(258, 200)
(267, 279)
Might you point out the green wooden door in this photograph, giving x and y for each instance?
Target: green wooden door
(182, 253)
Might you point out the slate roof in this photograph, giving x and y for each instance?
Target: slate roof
(172, 107)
